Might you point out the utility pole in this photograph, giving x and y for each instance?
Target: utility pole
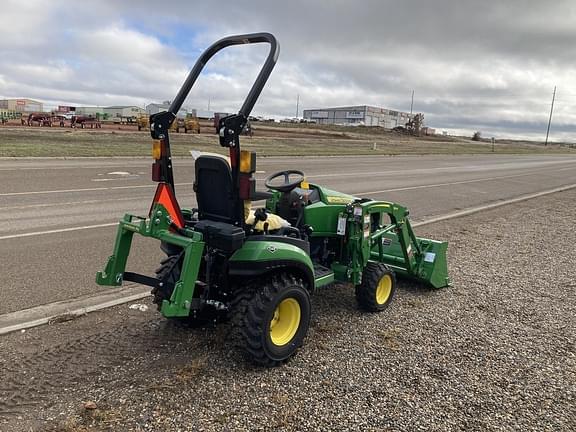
(550, 118)
(412, 102)
(208, 103)
(297, 104)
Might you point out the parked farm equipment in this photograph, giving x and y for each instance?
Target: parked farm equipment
(259, 267)
(85, 121)
(189, 123)
(143, 122)
(39, 118)
(10, 114)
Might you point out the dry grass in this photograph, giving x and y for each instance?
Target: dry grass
(390, 338)
(267, 141)
(192, 370)
(103, 418)
(414, 302)
(284, 411)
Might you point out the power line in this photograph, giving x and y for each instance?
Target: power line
(550, 118)
(297, 103)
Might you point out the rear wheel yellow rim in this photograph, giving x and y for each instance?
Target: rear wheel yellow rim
(383, 289)
(285, 322)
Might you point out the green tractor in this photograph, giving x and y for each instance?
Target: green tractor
(258, 268)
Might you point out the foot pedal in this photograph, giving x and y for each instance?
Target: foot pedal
(322, 275)
(321, 271)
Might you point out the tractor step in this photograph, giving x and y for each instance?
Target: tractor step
(322, 275)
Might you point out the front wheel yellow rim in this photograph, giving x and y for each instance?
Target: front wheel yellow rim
(384, 289)
(285, 322)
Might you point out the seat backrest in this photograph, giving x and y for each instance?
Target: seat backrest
(214, 189)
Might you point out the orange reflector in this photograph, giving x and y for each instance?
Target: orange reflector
(247, 161)
(156, 149)
(165, 196)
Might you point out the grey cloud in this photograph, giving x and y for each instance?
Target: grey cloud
(473, 65)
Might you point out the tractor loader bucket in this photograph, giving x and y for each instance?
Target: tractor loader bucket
(392, 241)
(430, 266)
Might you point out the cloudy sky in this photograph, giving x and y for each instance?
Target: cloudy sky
(473, 65)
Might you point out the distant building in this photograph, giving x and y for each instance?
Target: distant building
(155, 108)
(428, 131)
(89, 111)
(65, 109)
(358, 115)
(123, 111)
(21, 105)
(204, 114)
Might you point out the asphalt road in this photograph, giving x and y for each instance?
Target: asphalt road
(57, 217)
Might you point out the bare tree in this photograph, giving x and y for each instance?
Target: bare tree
(414, 126)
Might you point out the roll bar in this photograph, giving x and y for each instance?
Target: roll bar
(220, 45)
(231, 125)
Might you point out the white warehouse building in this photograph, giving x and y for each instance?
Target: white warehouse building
(123, 111)
(155, 108)
(359, 115)
(21, 105)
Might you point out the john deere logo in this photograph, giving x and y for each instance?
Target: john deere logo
(271, 249)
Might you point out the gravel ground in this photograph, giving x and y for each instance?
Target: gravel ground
(496, 351)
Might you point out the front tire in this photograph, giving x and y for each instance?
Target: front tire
(271, 317)
(377, 289)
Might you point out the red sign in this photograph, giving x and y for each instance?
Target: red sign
(20, 102)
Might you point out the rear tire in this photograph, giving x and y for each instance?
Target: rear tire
(377, 289)
(169, 273)
(270, 318)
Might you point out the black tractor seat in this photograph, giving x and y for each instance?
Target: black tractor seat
(216, 217)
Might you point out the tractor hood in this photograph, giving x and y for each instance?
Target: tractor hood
(329, 196)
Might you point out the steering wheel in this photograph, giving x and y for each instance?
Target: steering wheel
(288, 185)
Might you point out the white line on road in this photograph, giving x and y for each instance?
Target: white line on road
(351, 174)
(55, 231)
(50, 191)
(135, 177)
(358, 193)
(60, 204)
(433, 185)
(145, 162)
(85, 190)
(491, 206)
(448, 168)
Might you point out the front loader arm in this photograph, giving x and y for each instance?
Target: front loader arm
(394, 244)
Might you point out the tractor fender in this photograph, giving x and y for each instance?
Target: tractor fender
(257, 258)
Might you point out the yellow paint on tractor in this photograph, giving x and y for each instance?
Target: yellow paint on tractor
(285, 322)
(384, 289)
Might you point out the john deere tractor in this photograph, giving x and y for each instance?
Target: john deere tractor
(258, 267)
